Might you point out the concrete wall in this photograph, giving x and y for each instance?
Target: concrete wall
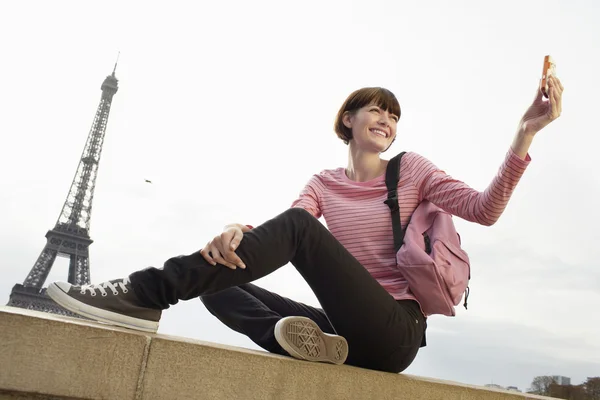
(46, 356)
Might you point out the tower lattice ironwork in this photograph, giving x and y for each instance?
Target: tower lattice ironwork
(70, 236)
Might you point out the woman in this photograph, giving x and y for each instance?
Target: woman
(369, 318)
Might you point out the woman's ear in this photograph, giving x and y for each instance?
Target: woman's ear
(347, 119)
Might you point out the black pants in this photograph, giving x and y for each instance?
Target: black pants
(382, 333)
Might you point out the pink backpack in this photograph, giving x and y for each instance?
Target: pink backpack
(428, 252)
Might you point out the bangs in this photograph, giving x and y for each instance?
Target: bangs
(381, 97)
(360, 98)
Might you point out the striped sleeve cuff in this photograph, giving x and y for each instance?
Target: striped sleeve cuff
(515, 159)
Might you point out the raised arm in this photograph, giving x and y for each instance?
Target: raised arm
(486, 207)
(460, 199)
(538, 116)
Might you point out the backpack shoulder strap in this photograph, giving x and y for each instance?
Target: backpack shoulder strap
(392, 177)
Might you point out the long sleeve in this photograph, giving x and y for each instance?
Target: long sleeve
(461, 200)
(310, 197)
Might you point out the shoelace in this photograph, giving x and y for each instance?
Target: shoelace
(106, 285)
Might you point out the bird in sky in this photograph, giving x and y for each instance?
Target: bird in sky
(148, 181)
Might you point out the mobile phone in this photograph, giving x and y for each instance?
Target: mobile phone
(549, 69)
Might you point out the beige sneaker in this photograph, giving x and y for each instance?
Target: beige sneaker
(113, 302)
(302, 338)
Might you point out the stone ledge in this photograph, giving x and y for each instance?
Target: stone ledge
(46, 356)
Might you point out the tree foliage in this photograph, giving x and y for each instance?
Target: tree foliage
(541, 385)
(546, 386)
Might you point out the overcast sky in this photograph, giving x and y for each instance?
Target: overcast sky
(228, 106)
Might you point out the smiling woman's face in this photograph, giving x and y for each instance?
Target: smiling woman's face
(370, 107)
(373, 129)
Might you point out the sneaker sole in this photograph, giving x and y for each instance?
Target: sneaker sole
(98, 314)
(302, 338)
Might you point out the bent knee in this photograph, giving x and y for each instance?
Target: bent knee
(299, 214)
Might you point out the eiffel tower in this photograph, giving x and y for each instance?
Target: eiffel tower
(70, 236)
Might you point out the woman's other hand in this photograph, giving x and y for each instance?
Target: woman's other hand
(221, 249)
(542, 112)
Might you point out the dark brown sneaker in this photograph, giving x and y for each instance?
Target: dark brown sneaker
(113, 302)
(302, 338)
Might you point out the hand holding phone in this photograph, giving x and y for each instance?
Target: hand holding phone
(549, 69)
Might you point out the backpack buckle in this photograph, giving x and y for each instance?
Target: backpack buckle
(392, 200)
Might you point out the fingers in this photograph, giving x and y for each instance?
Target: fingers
(539, 95)
(557, 106)
(555, 98)
(205, 252)
(552, 102)
(221, 250)
(218, 257)
(558, 83)
(229, 241)
(237, 238)
(213, 255)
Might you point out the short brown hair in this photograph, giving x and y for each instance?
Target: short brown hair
(360, 98)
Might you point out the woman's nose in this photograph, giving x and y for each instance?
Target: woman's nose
(383, 120)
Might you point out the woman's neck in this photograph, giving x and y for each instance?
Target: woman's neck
(364, 166)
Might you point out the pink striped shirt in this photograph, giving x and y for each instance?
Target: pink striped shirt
(356, 215)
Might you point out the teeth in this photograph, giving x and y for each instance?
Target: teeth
(377, 131)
